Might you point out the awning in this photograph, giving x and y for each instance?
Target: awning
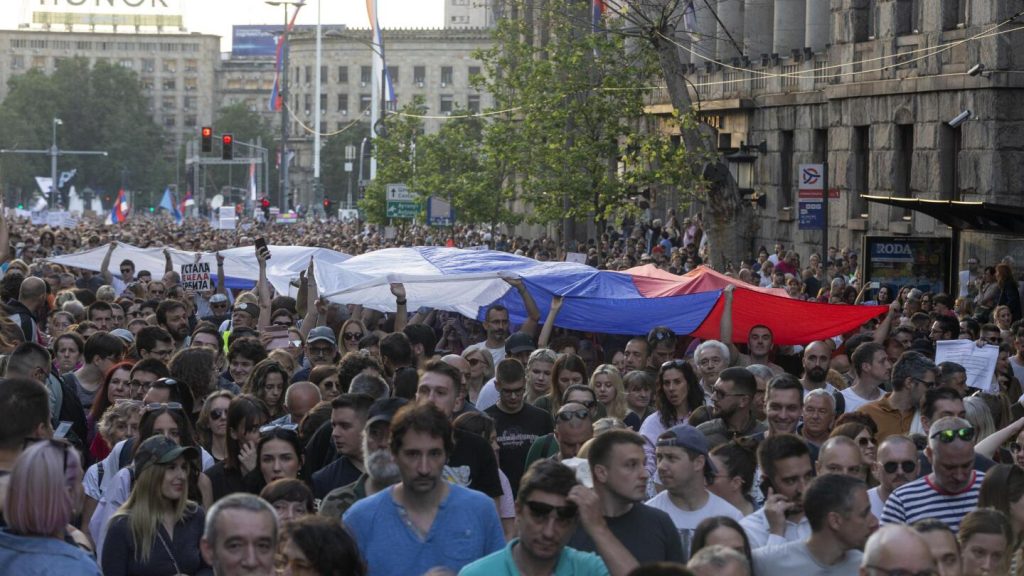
(976, 216)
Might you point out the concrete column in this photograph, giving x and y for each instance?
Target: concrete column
(730, 12)
(790, 20)
(758, 20)
(816, 33)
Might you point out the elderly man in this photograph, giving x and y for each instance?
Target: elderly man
(912, 375)
(897, 465)
(711, 358)
(951, 490)
(841, 455)
(573, 427)
(240, 536)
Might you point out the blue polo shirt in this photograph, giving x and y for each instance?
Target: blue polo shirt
(571, 562)
(465, 528)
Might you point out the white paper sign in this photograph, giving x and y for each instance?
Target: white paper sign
(576, 257)
(964, 283)
(980, 362)
(196, 277)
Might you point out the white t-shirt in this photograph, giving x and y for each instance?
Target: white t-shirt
(488, 396)
(854, 401)
(795, 558)
(877, 504)
(686, 521)
(1018, 368)
(498, 354)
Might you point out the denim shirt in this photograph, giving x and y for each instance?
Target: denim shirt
(38, 556)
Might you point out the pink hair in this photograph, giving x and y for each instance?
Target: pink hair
(38, 500)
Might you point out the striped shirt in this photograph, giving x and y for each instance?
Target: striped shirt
(922, 499)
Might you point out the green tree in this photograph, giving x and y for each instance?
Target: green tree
(101, 108)
(332, 162)
(393, 150)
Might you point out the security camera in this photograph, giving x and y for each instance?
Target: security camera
(976, 70)
(960, 118)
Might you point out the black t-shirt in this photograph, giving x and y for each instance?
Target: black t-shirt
(341, 472)
(319, 451)
(516, 432)
(648, 533)
(473, 463)
(225, 481)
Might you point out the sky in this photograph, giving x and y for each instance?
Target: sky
(217, 16)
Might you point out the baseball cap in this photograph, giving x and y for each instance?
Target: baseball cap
(322, 333)
(686, 436)
(218, 298)
(161, 450)
(123, 334)
(249, 308)
(384, 410)
(519, 342)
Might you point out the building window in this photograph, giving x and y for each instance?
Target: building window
(169, 84)
(126, 63)
(191, 121)
(149, 65)
(17, 62)
(446, 104)
(365, 75)
(393, 74)
(365, 102)
(473, 71)
(323, 74)
(170, 121)
(191, 66)
(309, 74)
(307, 103)
(342, 74)
(954, 14)
(343, 103)
(864, 21)
(446, 76)
(170, 66)
(786, 169)
(147, 83)
(168, 103)
(904, 160)
(191, 84)
(323, 102)
(419, 75)
(861, 147)
(791, 80)
(191, 102)
(473, 103)
(908, 17)
(950, 145)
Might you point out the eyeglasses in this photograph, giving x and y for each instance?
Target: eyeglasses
(321, 350)
(163, 406)
(865, 441)
(512, 393)
(268, 428)
(948, 436)
(474, 361)
(569, 415)
(217, 413)
(901, 572)
(354, 336)
(722, 394)
(164, 383)
(907, 465)
(542, 511)
(928, 385)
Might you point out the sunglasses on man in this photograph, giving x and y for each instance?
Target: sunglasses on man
(948, 436)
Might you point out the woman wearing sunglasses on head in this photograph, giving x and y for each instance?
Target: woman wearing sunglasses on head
(168, 420)
(212, 425)
(157, 530)
(43, 496)
(278, 453)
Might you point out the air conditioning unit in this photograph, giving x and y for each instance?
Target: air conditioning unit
(444, 84)
(447, 113)
(344, 112)
(419, 84)
(363, 84)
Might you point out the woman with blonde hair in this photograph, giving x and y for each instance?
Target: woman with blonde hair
(481, 369)
(607, 384)
(158, 529)
(44, 493)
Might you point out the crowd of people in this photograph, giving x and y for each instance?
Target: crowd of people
(150, 430)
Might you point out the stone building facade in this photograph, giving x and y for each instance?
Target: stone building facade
(177, 71)
(433, 64)
(871, 87)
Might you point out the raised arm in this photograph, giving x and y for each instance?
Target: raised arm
(617, 558)
(108, 278)
(220, 276)
(401, 310)
(5, 234)
(263, 293)
(885, 326)
(308, 291)
(168, 265)
(991, 443)
(549, 322)
(532, 311)
(725, 324)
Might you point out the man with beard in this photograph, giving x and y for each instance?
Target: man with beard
(912, 376)
(816, 361)
(760, 339)
(841, 521)
(423, 522)
(897, 465)
(516, 423)
(711, 358)
(171, 315)
(786, 471)
(733, 398)
(497, 325)
(381, 470)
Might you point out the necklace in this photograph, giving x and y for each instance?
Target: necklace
(168, 549)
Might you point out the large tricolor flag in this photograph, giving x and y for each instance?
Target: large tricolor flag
(275, 94)
(168, 203)
(380, 67)
(119, 211)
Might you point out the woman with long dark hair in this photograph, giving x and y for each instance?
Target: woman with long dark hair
(246, 414)
(1008, 292)
(569, 370)
(116, 386)
(678, 393)
(268, 381)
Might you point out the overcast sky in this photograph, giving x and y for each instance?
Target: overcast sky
(217, 16)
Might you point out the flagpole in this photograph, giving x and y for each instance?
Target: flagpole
(378, 74)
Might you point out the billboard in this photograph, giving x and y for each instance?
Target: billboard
(147, 13)
(897, 261)
(260, 40)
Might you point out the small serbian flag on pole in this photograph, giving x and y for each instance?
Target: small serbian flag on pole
(598, 12)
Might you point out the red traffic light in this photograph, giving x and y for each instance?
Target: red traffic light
(226, 149)
(226, 139)
(265, 203)
(207, 132)
(207, 138)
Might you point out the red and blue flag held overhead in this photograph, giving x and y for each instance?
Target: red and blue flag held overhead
(275, 103)
(119, 211)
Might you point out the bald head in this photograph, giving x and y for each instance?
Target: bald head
(32, 290)
(841, 455)
(460, 364)
(572, 430)
(897, 547)
(300, 399)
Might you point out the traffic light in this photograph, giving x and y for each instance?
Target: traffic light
(226, 147)
(265, 206)
(207, 134)
(327, 205)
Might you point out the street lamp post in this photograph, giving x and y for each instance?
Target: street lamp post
(350, 155)
(284, 201)
(54, 192)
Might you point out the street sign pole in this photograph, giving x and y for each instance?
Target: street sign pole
(824, 210)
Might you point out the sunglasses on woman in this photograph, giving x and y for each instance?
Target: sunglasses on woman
(268, 428)
(152, 407)
(353, 336)
(218, 413)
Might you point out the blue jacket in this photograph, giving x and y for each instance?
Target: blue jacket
(31, 556)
